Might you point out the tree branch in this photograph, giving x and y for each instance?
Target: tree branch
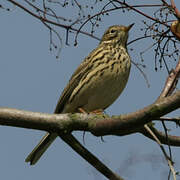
(49, 21)
(98, 125)
(177, 12)
(170, 119)
(170, 86)
(171, 82)
(88, 156)
(172, 140)
(169, 160)
(55, 123)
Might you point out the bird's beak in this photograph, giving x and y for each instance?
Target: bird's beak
(127, 28)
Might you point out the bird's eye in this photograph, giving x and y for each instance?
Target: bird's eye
(112, 31)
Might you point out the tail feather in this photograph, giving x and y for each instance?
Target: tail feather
(38, 151)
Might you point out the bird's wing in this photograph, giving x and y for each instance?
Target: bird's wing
(80, 72)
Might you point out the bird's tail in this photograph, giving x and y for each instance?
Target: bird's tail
(38, 151)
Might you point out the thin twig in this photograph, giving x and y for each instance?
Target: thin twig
(171, 82)
(169, 160)
(176, 120)
(175, 9)
(117, 8)
(142, 72)
(51, 22)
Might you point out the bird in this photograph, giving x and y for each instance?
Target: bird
(95, 84)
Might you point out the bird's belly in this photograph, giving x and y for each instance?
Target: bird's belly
(99, 90)
(105, 91)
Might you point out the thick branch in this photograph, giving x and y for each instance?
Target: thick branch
(130, 123)
(98, 125)
(56, 123)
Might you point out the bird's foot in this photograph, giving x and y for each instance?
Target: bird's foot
(98, 111)
(81, 110)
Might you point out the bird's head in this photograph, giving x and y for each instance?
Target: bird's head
(116, 34)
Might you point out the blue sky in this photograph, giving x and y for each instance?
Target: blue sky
(32, 79)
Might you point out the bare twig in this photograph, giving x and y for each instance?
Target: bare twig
(89, 157)
(177, 12)
(49, 21)
(142, 72)
(117, 8)
(158, 141)
(171, 82)
(170, 85)
(169, 160)
(176, 120)
(172, 140)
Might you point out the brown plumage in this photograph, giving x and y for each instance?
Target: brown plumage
(96, 84)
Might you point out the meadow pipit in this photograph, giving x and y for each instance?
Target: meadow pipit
(96, 83)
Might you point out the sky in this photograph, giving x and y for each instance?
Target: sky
(33, 79)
